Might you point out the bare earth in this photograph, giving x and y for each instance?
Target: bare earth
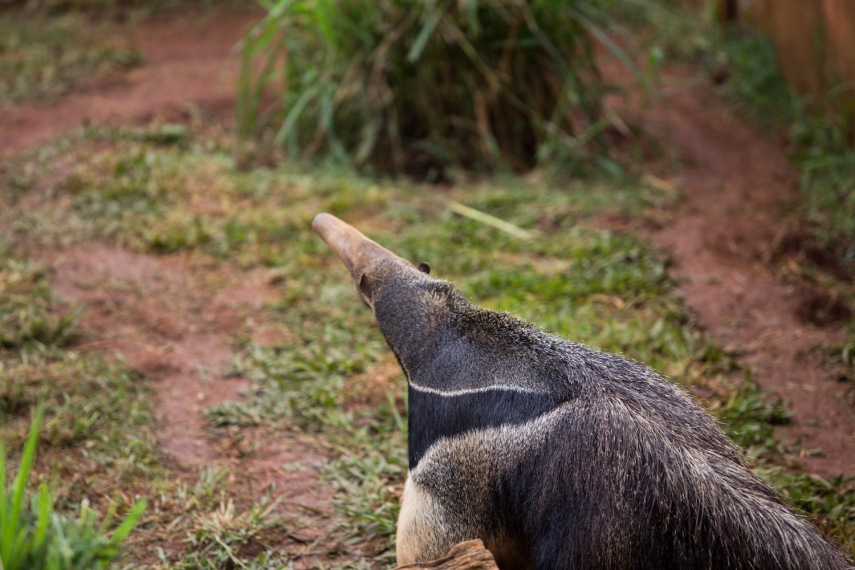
(738, 186)
(191, 60)
(172, 318)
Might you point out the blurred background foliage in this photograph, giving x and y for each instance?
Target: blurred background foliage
(418, 87)
(430, 88)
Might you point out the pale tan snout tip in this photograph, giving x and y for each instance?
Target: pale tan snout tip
(323, 222)
(343, 238)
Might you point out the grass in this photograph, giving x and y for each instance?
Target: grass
(425, 88)
(219, 537)
(827, 164)
(44, 57)
(331, 379)
(33, 536)
(26, 314)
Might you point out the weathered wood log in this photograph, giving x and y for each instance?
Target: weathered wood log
(469, 555)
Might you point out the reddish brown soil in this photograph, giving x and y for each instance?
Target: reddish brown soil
(738, 187)
(173, 319)
(191, 61)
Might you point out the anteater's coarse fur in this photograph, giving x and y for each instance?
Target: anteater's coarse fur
(556, 455)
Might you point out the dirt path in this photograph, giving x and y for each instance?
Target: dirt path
(738, 187)
(156, 311)
(191, 60)
(173, 318)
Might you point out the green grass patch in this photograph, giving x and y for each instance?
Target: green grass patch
(225, 536)
(44, 57)
(117, 185)
(304, 387)
(831, 502)
(29, 313)
(827, 164)
(33, 536)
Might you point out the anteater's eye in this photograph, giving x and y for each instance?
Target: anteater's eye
(424, 267)
(365, 286)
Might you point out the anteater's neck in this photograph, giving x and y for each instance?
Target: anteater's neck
(467, 368)
(415, 319)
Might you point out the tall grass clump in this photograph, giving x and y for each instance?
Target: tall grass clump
(34, 537)
(420, 86)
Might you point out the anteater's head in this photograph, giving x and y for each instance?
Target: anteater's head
(374, 269)
(406, 301)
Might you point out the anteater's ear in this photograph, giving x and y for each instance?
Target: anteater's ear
(424, 267)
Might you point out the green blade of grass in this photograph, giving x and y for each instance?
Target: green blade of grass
(43, 519)
(127, 525)
(424, 34)
(297, 109)
(12, 531)
(5, 527)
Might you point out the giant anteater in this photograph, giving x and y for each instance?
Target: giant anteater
(556, 455)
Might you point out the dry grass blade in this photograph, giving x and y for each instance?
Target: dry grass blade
(493, 221)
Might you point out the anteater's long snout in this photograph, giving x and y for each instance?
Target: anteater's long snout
(361, 255)
(352, 247)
